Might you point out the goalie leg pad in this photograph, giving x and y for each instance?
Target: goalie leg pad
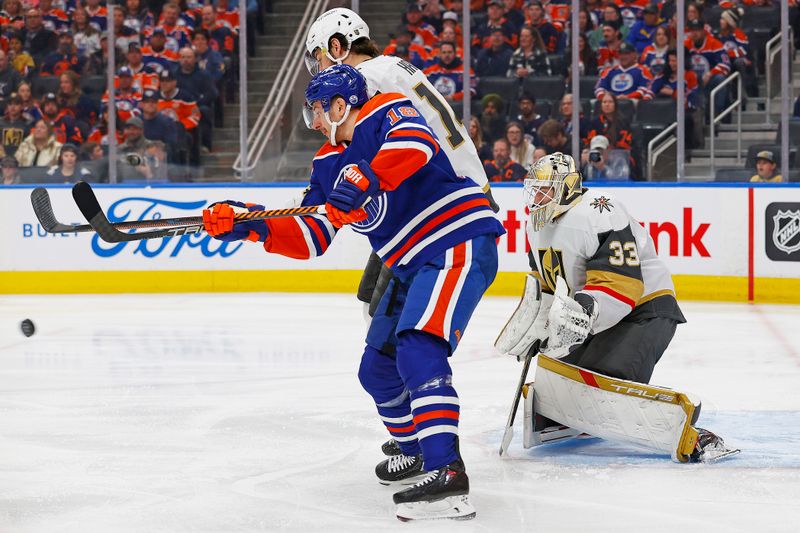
(655, 418)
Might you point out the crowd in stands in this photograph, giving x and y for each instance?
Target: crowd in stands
(629, 48)
(173, 60)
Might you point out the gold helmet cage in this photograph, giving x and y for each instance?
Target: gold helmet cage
(552, 186)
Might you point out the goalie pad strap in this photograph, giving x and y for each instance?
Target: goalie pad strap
(652, 417)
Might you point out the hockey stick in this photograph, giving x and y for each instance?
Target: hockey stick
(508, 434)
(87, 202)
(40, 199)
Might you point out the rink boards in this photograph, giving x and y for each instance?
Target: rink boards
(733, 243)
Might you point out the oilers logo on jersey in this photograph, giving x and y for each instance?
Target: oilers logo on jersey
(621, 82)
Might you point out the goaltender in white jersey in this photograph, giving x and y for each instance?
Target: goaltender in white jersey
(601, 308)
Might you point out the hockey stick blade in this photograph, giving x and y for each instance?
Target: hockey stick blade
(508, 434)
(110, 232)
(40, 200)
(87, 202)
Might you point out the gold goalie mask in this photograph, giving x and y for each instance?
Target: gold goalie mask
(552, 186)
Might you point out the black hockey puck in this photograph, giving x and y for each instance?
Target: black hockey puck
(27, 327)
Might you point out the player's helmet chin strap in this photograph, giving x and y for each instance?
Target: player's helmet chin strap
(334, 125)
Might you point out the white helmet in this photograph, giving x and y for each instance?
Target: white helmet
(338, 20)
(552, 186)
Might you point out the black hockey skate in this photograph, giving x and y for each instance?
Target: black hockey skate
(390, 447)
(444, 493)
(400, 469)
(710, 448)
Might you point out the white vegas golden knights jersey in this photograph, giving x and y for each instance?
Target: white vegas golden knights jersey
(389, 74)
(602, 251)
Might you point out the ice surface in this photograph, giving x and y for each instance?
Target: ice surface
(172, 413)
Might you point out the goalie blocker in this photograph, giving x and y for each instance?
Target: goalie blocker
(654, 418)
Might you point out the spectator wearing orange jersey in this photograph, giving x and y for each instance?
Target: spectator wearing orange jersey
(557, 13)
(144, 76)
(99, 133)
(177, 105)
(424, 34)
(126, 97)
(228, 15)
(12, 16)
(495, 22)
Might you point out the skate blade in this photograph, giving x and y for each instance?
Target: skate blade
(452, 508)
(713, 456)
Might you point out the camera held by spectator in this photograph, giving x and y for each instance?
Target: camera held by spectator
(600, 163)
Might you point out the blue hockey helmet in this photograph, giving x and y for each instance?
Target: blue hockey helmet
(338, 80)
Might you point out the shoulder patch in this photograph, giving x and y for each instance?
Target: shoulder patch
(601, 202)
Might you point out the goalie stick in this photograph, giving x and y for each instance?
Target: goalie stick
(508, 434)
(110, 232)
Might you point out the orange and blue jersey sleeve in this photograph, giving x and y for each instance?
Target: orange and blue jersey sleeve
(408, 144)
(307, 236)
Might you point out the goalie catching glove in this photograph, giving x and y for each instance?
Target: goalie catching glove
(218, 221)
(569, 321)
(346, 201)
(528, 322)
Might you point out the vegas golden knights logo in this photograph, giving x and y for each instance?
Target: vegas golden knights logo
(572, 188)
(12, 136)
(552, 263)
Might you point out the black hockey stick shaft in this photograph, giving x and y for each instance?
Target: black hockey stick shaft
(90, 207)
(509, 430)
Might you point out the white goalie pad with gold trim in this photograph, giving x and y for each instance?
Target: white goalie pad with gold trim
(655, 418)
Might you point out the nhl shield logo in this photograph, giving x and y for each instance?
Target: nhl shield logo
(786, 232)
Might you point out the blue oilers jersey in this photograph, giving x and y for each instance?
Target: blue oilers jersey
(422, 209)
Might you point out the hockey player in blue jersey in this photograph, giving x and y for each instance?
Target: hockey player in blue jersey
(383, 173)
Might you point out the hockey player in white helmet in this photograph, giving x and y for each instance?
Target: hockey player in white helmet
(341, 36)
(601, 308)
